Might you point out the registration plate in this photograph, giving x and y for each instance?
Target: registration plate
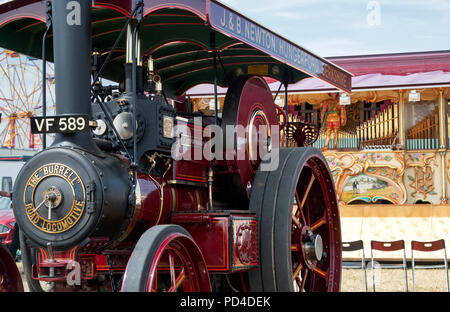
(60, 124)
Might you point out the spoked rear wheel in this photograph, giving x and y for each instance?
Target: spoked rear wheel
(300, 238)
(166, 258)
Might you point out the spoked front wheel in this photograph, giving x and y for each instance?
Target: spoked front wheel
(299, 238)
(10, 279)
(166, 258)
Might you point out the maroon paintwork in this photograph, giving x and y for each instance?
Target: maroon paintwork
(428, 246)
(122, 6)
(226, 238)
(388, 246)
(254, 99)
(6, 218)
(10, 279)
(395, 64)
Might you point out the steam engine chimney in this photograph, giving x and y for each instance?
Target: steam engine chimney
(72, 28)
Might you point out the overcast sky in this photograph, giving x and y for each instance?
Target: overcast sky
(354, 27)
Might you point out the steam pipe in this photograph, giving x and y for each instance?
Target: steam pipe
(134, 92)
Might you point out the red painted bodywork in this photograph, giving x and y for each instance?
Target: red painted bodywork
(255, 96)
(7, 218)
(227, 239)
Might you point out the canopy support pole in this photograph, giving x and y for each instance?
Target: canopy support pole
(286, 110)
(442, 120)
(216, 106)
(443, 130)
(212, 40)
(401, 120)
(227, 79)
(139, 17)
(278, 91)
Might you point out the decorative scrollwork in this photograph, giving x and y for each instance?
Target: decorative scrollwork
(302, 133)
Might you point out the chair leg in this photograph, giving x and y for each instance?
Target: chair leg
(446, 268)
(365, 277)
(373, 273)
(413, 272)
(446, 274)
(405, 269)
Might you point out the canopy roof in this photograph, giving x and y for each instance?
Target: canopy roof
(180, 35)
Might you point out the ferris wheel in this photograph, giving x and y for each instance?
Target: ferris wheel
(21, 94)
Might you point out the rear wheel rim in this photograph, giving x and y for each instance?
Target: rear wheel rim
(314, 233)
(299, 249)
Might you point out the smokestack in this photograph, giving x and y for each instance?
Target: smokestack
(72, 45)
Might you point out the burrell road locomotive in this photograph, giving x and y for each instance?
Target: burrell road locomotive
(140, 192)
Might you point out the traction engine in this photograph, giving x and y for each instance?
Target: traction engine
(130, 205)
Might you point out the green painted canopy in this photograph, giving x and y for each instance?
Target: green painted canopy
(180, 36)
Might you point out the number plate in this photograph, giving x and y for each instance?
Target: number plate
(60, 124)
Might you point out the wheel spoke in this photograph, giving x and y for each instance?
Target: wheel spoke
(298, 280)
(298, 209)
(305, 196)
(305, 275)
(301, 204)
(181, 277)
(322, 221)
(172, 272)
(296, 221)
(320, 272)
(297, 271)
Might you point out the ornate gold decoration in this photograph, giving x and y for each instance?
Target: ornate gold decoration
(387, 166)
(52, 198)
(333, 118)
(423, 179)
